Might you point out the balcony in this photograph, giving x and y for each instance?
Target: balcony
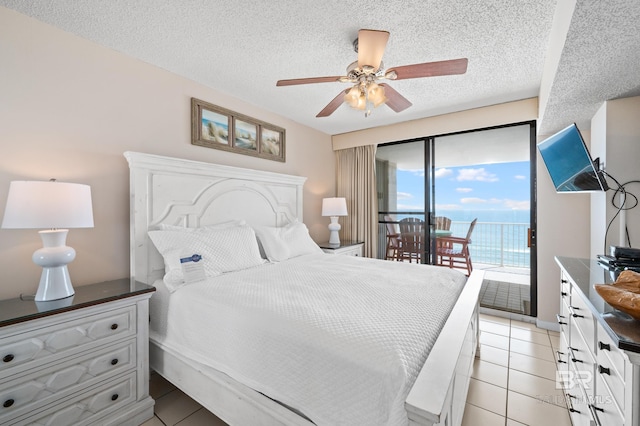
(502, 251)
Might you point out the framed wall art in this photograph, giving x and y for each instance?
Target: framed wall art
(219, 128)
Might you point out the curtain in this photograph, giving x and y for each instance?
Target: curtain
(356, 182)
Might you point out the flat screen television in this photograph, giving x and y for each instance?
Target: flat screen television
(569, 162)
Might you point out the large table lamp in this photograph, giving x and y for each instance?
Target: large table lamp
(334, 207)
(51, 206)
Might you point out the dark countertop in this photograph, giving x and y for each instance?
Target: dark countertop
(13, 311)
(621, 327)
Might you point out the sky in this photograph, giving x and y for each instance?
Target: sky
(502, 186)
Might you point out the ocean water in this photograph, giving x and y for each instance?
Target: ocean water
(499, 238)
(492, 216)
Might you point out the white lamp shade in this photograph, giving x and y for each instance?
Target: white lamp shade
(48, 205)
(336, 206)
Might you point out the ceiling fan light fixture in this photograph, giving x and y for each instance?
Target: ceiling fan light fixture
(375, 93)
(352, 97)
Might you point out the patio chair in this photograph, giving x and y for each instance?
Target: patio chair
(411, 240)
(454, 251)
(393, 238)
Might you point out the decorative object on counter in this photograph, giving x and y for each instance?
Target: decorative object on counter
(50, 206)
(334, 207)
(219, 128)
(624, 294)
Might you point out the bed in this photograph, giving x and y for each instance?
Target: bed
(173, 192)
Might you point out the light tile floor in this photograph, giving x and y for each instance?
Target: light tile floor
(513, 383)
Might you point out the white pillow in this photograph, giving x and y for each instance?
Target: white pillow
(286, 242)
(222, 250)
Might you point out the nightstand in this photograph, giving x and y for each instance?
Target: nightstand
(346, 248)
(80, 360)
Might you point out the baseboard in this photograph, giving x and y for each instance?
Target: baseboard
(548, 325)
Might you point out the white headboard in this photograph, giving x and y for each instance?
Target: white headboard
(192, 193)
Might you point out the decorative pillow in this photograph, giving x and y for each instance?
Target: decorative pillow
(222, 250)
(289, 241)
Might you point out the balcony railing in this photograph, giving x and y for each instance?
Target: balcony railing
(500, 244)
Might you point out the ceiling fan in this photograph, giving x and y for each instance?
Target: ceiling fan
(368, 70)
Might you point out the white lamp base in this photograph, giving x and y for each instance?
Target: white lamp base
(54, 256)
(334, 227)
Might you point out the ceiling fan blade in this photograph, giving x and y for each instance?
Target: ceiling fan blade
(430, 69)
(311, 80)
(395, 100)
(371, 45)
(333, 105)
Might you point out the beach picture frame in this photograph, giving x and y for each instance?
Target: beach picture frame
(219, 128)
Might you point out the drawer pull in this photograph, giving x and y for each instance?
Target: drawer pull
(564, 281)
(8, 358)
(597, 408)
(114, 396)
(8, 403)
(559, 355)
(604, 346)
(563, 293)
(560, 319)
(604, 370)
(573, 357)
(114, 361)
(571, 409)
(114, 326)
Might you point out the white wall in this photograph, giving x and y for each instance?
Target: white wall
(563, 230)
(495, 115)
(69, 109)
(616, 140)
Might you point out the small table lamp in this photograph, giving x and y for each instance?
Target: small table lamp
(334, 207)
(52, 205)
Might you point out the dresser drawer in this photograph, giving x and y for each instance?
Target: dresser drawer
(614, 382)
(33, 390)
(582, 361)
(24, 351)
(583, 318)
(608, 353)
(87, 407)
(604, 407)
(578, 406)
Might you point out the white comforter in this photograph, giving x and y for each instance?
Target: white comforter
(341, 339)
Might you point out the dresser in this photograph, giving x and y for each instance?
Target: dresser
(599, 355)
(77, 361)
(346, 248)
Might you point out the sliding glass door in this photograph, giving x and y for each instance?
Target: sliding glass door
(448, 181)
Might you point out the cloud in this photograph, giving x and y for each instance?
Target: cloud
(477, 175)
(464, 190)
(410, 207)
(404, 195)
(443, 172)
(517, 205)
(520, 177)
(417, 172)
(472, 200)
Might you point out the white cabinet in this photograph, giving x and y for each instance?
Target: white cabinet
(344, 249)
(79, 364)
(598, 361)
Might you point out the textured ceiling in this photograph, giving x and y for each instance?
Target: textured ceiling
(243, 47)
(600, 61)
